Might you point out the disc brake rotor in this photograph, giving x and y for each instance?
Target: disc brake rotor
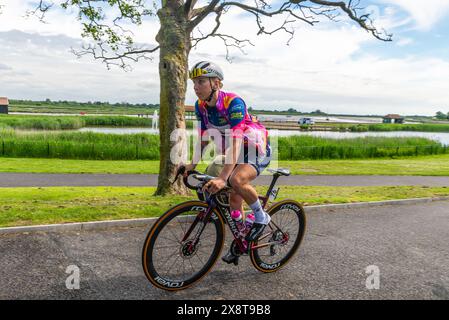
(280, 238)
(188, 249)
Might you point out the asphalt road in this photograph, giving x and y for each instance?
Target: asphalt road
(408, 245)
(46, 180)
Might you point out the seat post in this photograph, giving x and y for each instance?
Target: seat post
(273, 183)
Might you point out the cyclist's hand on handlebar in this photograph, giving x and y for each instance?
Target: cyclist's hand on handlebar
(215, 185)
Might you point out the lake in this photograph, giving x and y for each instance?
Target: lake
(442, 137)
(262, 117)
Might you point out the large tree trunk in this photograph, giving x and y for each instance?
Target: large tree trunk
(174, 42)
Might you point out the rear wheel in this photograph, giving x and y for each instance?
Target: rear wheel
(172, 264)
(281, 238)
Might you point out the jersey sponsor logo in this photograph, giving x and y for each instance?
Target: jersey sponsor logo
(237, 115)
(222, 121)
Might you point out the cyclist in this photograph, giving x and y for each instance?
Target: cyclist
(227, 113)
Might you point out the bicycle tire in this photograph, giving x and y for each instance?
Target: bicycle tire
(259, 256)
(159, 276)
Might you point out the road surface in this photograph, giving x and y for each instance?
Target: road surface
(47, 180)
(406, 244)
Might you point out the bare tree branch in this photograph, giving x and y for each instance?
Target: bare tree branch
(202, 13)
(114, 44)
(305, 13)
(284, 8)
(100, 52)
(189, 7)
(258, 10)
(229, 41)
(40, 11)
(364, 21)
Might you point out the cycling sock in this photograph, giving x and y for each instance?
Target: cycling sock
(260, 215)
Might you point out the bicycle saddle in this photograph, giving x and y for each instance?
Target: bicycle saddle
(280, 171)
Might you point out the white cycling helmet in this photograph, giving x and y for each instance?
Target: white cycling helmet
(206, 69)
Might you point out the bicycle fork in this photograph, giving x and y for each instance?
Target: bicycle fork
(200, 217)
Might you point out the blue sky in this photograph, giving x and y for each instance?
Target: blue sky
(432, 41)
(335, 67)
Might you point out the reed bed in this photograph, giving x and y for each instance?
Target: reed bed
(89, 145)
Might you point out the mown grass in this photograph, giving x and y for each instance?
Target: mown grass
(416, 166)
(437, 165)
(33, 206)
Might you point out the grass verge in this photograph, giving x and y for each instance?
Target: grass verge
(437, 165)
(33, 206)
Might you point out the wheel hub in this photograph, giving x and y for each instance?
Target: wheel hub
(280, 238)
(189, 249)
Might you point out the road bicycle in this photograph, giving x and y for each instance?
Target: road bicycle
(185, 242)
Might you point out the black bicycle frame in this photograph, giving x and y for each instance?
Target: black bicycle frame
(205, 216)
(226, 215)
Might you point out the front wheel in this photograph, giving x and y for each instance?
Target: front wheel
(172, 263)
(281, 237)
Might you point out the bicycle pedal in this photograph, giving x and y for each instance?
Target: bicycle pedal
(230, 259)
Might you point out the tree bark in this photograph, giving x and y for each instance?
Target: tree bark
(174, 41)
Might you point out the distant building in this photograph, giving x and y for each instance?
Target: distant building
(4, 104)
(393, 118)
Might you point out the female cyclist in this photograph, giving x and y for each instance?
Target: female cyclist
(242, 140)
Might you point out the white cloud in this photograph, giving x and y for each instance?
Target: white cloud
(323, 67)
(425, 14)
(14, 17)
(60, 21)
(42, 67)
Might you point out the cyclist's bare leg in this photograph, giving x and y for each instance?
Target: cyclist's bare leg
(236, 201)
(240, 181)
(240, 178)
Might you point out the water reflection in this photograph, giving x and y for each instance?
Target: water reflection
(442, 137)
(119, 130)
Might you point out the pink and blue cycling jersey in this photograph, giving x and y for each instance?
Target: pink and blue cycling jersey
(230, 113)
